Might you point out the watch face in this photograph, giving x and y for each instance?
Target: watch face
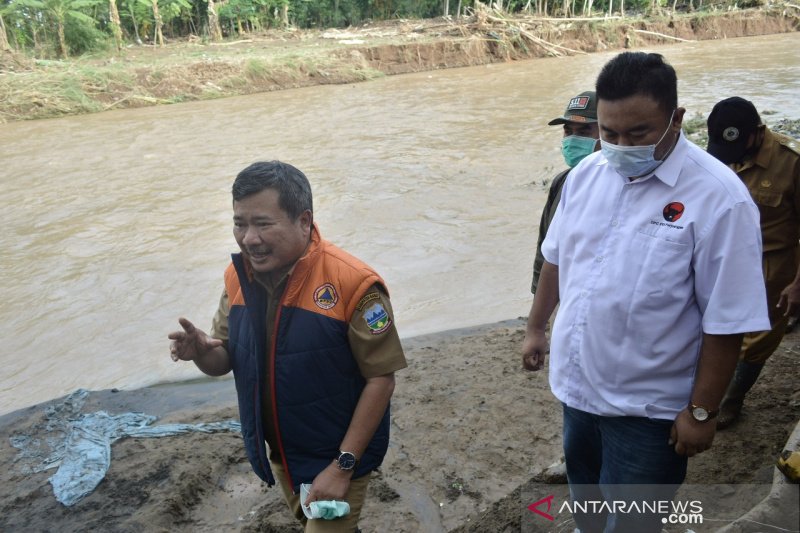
(700, 414)
(347, 461)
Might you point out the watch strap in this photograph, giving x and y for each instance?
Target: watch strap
(712, 413)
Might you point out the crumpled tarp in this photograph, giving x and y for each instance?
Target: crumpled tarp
(81, 443)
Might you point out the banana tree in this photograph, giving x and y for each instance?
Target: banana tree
(214, 28)
(116, 25)
(3, 35)
(164, 11)
(58, 11)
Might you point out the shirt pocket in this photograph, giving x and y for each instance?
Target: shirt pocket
(660, 266)
(767, 198)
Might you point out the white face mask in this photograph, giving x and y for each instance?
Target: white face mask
(633, 161)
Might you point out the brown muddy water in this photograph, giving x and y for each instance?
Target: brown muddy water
(117, 223)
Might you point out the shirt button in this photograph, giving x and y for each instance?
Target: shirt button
(615, 223)
(599, 259)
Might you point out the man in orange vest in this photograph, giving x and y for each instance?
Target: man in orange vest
(308, 331)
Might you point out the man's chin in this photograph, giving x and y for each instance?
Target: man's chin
(262, 266)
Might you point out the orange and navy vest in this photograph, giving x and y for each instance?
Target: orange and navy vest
(315, 380)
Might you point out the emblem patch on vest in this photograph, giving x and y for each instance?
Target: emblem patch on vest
(377, 319)
(325, 296)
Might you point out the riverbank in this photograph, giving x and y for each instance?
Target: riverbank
(471, 433)
(186, 71)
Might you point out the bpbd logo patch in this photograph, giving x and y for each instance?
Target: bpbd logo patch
(325, 296)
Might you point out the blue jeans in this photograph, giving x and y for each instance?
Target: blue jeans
(619, 459)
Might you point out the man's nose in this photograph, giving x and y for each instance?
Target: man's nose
(251, 236)
(624, 141)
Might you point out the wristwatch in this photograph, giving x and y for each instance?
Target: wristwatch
(702, 414)
(346, 461)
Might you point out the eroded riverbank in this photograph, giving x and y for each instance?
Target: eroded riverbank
(144, 76)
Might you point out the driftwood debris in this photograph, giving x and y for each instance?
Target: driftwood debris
(518, 31)
(664, 36)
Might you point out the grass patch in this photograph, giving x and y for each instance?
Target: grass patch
(256, 69)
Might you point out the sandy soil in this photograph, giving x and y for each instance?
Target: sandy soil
(472, 435)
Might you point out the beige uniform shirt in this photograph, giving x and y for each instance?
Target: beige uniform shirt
(773, 178)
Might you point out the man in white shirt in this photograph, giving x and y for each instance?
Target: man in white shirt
(658, 275)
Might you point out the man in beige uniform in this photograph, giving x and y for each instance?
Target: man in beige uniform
(769, 164)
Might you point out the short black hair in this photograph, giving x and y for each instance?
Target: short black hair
(632, 73)
(294, 190)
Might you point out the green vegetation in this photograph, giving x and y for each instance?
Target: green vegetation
(106, 69)
(695, 129)
(62, 28)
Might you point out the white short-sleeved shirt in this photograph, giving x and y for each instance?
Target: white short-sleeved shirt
(645, 268)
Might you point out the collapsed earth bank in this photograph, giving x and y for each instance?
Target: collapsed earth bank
(283, 59)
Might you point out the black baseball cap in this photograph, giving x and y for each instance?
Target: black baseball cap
(582, 108)
(729, 126)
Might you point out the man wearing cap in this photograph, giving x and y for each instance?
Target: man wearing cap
(769, 165)
(580, 139)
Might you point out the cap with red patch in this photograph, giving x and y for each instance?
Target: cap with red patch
(582, 108)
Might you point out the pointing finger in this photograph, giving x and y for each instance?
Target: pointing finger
(187, 326)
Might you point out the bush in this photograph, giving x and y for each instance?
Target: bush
(82, 37)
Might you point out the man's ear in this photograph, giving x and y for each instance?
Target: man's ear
(306, 220)
(677, 118)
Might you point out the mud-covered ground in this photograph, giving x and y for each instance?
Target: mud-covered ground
(472, 434)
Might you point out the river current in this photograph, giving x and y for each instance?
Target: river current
(116, 224)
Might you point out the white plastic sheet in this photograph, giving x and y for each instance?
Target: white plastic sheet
(81, 443)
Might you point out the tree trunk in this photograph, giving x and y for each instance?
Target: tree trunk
(285, 16)
(610, 7)
(214, 29)
(116, 27)
(135, 25)
(158, 37)
(62, 40)
(3, 36)
(446, 8)
(622, 8)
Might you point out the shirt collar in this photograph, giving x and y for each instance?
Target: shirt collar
(669, 171)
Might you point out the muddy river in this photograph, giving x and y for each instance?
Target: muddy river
(117, 223)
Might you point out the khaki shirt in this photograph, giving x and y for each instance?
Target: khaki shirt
(773, 178)
(375, 354)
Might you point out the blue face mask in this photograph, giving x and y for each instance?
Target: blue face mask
(633, 161)
(574, 148)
